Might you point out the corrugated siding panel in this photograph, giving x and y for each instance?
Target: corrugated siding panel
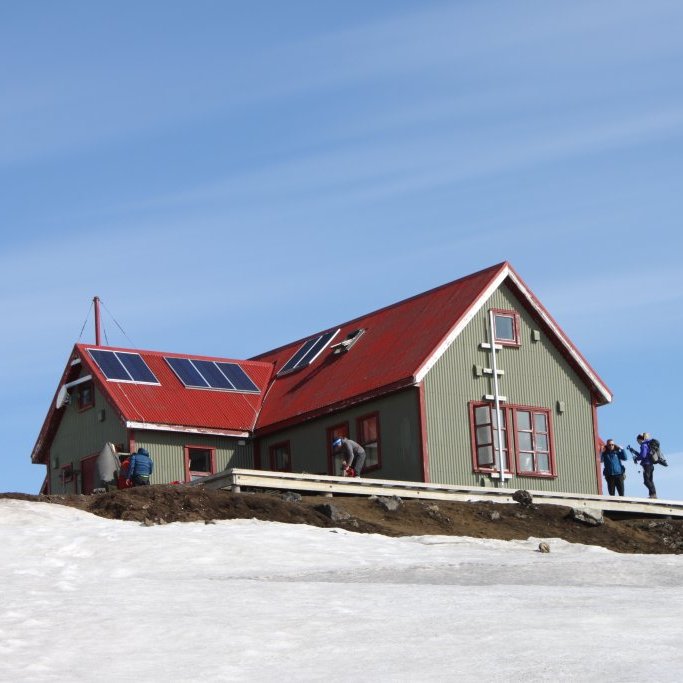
(535, 374)
(399, 438)
(167, 450)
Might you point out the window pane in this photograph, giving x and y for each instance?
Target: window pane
(482, 415)
(505, 327)
(485, 455)
(543, 462)
(200, 460)
(540, 422)
(526, 462)
(525, 441)
(484, 435)
(541, 442)
(368, 430)
(280, 458)
(494, 418)
(524, 419)
(371, 455)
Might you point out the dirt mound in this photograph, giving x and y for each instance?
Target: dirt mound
(389, 516)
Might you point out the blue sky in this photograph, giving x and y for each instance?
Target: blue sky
(230, 176)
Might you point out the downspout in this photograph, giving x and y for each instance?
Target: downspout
(596, 442)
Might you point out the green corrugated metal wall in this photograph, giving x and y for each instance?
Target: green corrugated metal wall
(167, 452)
(82, 434)
(399, 438)
(536, 374)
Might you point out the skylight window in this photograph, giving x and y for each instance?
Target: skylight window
(346, 344)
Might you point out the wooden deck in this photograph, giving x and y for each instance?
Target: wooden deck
(236, 479)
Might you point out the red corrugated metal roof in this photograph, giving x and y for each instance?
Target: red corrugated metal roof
(397, 340)
(171, 403)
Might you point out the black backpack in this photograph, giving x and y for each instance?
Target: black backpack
(656, 454)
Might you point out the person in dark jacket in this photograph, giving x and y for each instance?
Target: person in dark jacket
(353, 456)
(140, 468)
(612, 457)
(642, 458)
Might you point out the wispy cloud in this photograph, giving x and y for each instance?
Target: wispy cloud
(89, 103)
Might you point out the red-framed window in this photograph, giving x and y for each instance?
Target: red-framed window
(485, 442)
(368, 435)
(86, 396)
(66, 474)
(533, 441)
(527, 436)
(334, 460)
(506, 327)
(200, 461)
(68, 479)
(280, 455)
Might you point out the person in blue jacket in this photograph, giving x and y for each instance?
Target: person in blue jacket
(140, 468)
(642, 458)
(612, 457)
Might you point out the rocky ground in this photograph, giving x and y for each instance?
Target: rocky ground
(389, 516)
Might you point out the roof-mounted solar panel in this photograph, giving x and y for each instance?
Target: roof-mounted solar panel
(187, 373)
(208, 374)
(308, 352)
(236, 375)
(123, 366)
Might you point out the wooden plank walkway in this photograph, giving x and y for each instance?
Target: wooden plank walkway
(236, 479)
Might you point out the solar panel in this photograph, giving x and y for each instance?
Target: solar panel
(208, 374)
(187, 373)
(136, 367)
(215, 378)
(308, 352)
(123, 366)
(239, 379)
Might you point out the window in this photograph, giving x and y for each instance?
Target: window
(86, 396)
(334, 459)
(485, 430)
(367, 429)
(526, 434)
(67, 474)
(280, 457)
(532, 435)
(199, 462)
(68, 479)
(506, 327)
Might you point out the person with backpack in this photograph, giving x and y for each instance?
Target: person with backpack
(645, 457)
(613, 470)
(140, 468)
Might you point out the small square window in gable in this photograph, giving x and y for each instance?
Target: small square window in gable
(86, 396)
(506, 327)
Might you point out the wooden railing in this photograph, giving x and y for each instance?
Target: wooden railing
(236, 479)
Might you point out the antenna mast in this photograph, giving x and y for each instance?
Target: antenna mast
(96, 302)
